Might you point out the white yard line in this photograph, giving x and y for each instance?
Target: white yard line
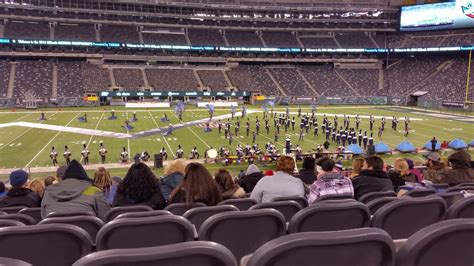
(92, 136)
(49, 142)
(128, 139)
(24, 132)
(207, 145)
(164, 137)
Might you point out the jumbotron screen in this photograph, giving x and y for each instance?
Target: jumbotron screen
(439, 16)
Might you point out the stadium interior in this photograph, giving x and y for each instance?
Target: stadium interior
(69, 60)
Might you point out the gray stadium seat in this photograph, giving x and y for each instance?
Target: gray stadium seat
(51, 244)
(456, 189)
(7, 223)
(197, 216)
(417, 193)
(27, 220)
(198, 253)
(3, 213)
(378, 203)
(343, 196)
(366, 198)
(465, 184)
(181, 208)
(34, 213)
(245, 231)
(403, 217)
(356, 247)
(13, 262)
(301, 200)
(143, 214)
(12, 210)
(116, 211)
(242, 204)
(330, 217)
(144, 232)
(288, 208)
(451, 197)
(444, 243)
(90, 224)
(67, 214)
(463, 208)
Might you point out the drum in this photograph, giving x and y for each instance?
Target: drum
(212, 154)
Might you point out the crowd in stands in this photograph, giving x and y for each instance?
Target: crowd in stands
(128, 78)
(4, 77)
(36, 75)
(213, 79)
(172, 79)
(70, 82)
(290, 81)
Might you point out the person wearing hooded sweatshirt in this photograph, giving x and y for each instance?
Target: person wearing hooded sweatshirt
(307, 173)
(74, 192)
(251, 178)
(372, 178)
(173, 175)
(461, 169)
(329, 181)
(20, 194)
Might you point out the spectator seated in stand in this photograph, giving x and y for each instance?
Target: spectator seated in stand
(251, 178)
(3, 189)
(74, 192)
(227, 186)
(173, 175)
(104, 181)
(139, 187)
(461, 171)
(197, 186)
(329, 181)
(434, 167)
(357, 164)
(372, 178)
(280, 184)
(50, 180)
(401, 174)
(37, 186)
(307, 173)
(20, 194)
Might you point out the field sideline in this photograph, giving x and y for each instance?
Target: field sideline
(23, 147)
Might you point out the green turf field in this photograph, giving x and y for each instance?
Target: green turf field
(22, 147)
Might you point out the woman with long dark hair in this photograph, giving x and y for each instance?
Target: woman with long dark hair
(139, 187)
(227, 186)
(197, 186)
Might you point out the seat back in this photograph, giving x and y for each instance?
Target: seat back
(456, 189)
(418, 193)
(451, 197)
(143, 214)
(197, 253)
(330, 217)
(465, 184)
(378, 203)
(12, 210)
(67, 214)
(463, 208)
(25, 219)
(405, 216)
(241, 204)
(34, 213)
(444, 243)
(243, 232)
(342, 196)
(287, 208)
(328, 248)
(181, 208)
(33, 243)
(144, 232)
(89, 223)
(366, 198)
(13, 262)
(7, 223)
(114, 212)
(197, 216)
(301, 200)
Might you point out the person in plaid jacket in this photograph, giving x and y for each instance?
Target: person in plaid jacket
(328, 181)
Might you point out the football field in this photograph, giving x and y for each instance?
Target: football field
(25, 141)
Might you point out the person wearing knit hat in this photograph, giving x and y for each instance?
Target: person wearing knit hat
(461, 171)
(74, 192)
(251, 178)
(434, 167)
(20, 194)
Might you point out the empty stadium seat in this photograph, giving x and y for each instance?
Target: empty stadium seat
(27, 220)
(301, 200)
(444, 243)
(334, 197)
(330, 217)
(114, 212)
(144, 232)
(451, 197)
(465, 184)
(378, 203)
(245, 231)
(34, 213)
(12, 210)
(417, 193)
(198, 253)
(90, 224)
(363, 246)
(181, 208)
(13, 262)
(403, 217)
(49, 244)
(3, 213)
(288, 208)
(463, 208)
(143, 214)
(242, 204)
(198, 215)
(7, 223)
(456, 189)
(67, 214)
(366, 198)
